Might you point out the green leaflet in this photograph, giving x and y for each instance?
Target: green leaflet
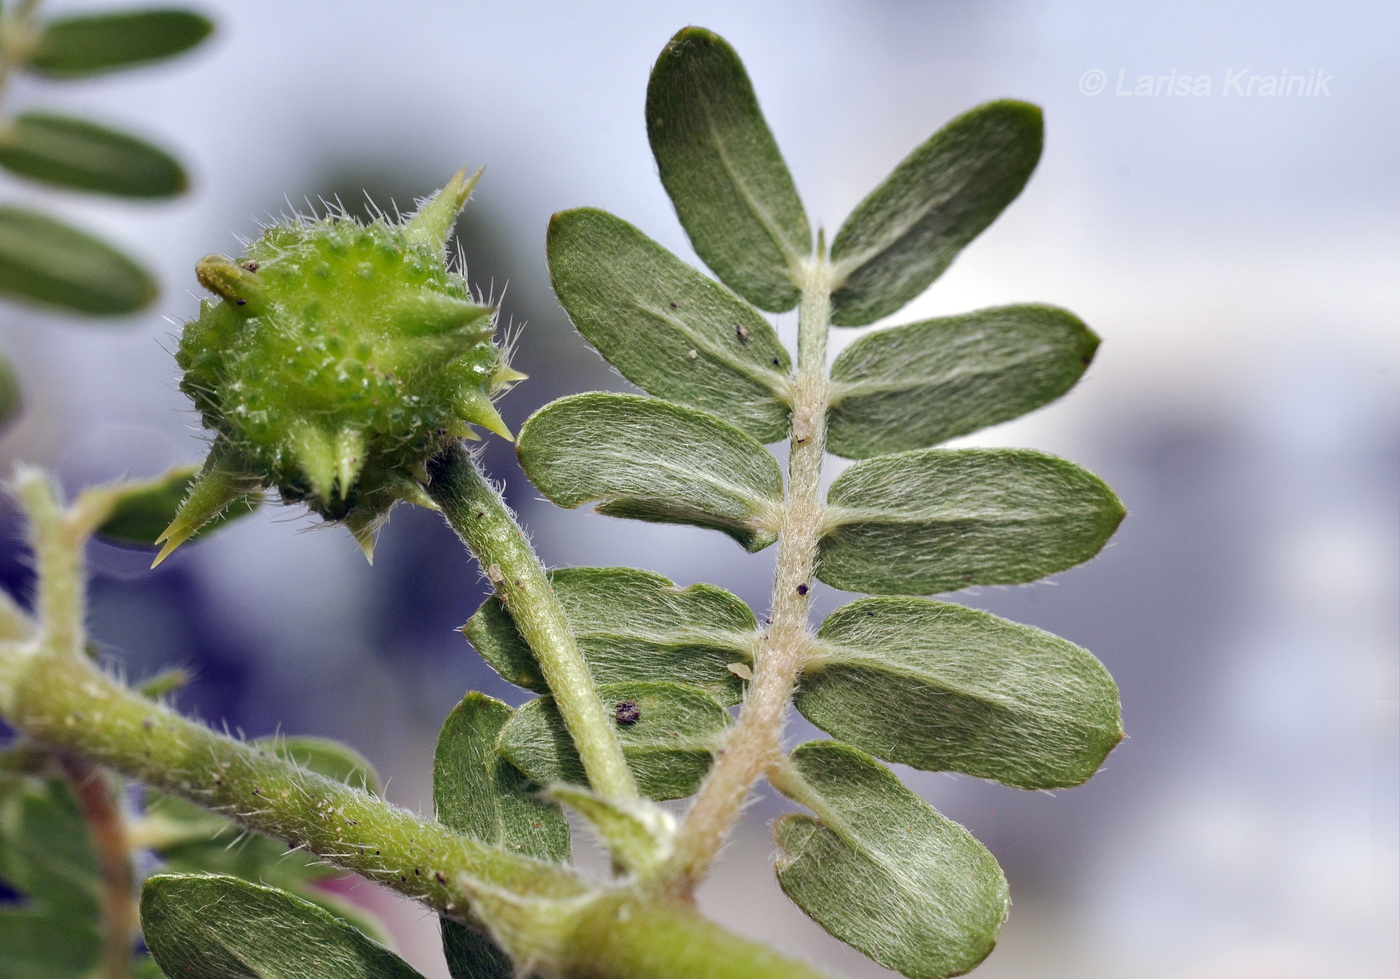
(914, 386)
(477, 793)
(46, 261)
(40, 946)
(631, 625)
(220, 927)
(670, 330)
(72, 47)
(940, 197)
(882, 870)
(721, 166)
(669, 746)
(11, 398)
(147, 506)
(946, 688)
(46, 856)
(918, 523)
(83, 155)
(653, 460)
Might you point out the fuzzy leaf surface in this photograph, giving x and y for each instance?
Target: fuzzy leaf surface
(478, 793)
(940, 197)
(961, 690)
(73, 47)
(884, 871)
(46, 261)
(653, 460)
(219, 927)
(631, 625)
(914, 386)
(83, 155)
(720, 164)
(918, 523)
(670, 330)
(669, 747)
(147, 507)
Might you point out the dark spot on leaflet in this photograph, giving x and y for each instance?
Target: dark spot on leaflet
(251, 266)
(241, 302)
(627, 712)
(674, 306)
(742, 332)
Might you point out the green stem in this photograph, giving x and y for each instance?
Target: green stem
(481, 518)
(623, 937)
(754, 743)
(70, 705)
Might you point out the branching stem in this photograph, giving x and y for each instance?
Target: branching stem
(755, 742)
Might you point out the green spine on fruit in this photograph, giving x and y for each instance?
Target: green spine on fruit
(337, 359)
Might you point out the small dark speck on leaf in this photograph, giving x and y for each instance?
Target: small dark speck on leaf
(742, 332)
(627, 712)
(241, 302)
(251, 266)
(674, 306)
(801, 589)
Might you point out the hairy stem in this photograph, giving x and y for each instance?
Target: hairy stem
(754, 743)
(69, 704)
(103, 812)
(481, 518)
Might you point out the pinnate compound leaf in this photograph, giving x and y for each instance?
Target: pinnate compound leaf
(653, 460)
(46, 261)
(914, 386)
(670, 330)
(720, 164)
(220, 927)
(940, 197)
(918, 523)
(961, 690)
(882, 870)
(669, 745)
(631, 625)
(146, 507)
(83, 155)
(72, 47)
(479, 794)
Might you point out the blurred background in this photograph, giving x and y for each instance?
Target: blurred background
(1237, 253)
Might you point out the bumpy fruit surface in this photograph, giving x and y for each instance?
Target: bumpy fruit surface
(336, 361)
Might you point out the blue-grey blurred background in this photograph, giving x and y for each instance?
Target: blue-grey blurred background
(1237, 253)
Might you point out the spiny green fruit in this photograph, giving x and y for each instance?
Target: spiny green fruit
(336, 361)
